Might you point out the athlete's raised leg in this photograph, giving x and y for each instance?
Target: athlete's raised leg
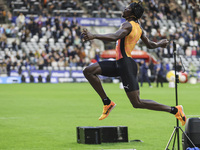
(90, 74)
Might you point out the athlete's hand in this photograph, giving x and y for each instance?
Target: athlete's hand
(163, 43)
(87, 35)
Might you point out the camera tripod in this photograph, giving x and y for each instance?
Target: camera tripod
(175, 132)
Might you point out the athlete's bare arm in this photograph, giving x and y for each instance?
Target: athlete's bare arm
(150, 44)
(123, 31)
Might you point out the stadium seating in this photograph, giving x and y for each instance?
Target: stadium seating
(50, 39)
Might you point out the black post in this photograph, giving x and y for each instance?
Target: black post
(176, 82)
(176, 129)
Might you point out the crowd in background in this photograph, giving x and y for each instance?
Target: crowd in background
(187, 33)
(73, 53)
(43, 7)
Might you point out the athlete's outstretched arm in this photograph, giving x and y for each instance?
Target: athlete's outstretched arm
(150, 44)
(123, 31)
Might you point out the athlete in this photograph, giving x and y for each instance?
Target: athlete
(124, 66)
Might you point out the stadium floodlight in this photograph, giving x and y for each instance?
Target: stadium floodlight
(175, 132)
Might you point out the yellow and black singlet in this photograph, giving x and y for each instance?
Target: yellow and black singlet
(125, 45)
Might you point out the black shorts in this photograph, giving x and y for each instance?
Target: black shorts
(126, 68)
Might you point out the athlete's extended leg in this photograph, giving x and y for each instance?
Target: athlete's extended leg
(152, 105)
(90, 74)
(146, 104)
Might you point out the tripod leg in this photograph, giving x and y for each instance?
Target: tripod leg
(174, 140)
(174, 131)
(178, 141)
(187, 137)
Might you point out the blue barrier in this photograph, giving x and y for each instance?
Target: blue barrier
(113, 22)
(9, 80)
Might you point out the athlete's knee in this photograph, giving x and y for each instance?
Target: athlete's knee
(137, 104)
(91, 70)
(135, 99)
(87, 71)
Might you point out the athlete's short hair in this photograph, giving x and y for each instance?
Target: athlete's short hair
(137, 9)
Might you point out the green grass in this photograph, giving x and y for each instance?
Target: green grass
(45, 116)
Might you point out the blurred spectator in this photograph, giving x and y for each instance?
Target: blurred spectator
(9, 16)
(54, 63)
(2, 14)
(8, 67)
(198, 52)
(144, 74)
(2, 30)
(15, 46)
(3, 42)
(61, 62)
(97, 55)
(155, 23)
(194, 52)
(179, 66)
(77, 41)
(72, 61)
(188, 52)
(3, 67)
(40, 63)
(20, 21)
(81, 55)
(192, 70)
(159, 73)
(167, 67)
(170, 50)
(32, 66)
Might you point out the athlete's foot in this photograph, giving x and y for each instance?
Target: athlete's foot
(180, 115)
(106, 110)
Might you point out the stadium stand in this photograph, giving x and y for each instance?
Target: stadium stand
(37, 33)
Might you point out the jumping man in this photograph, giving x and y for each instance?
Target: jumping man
(124, 66)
